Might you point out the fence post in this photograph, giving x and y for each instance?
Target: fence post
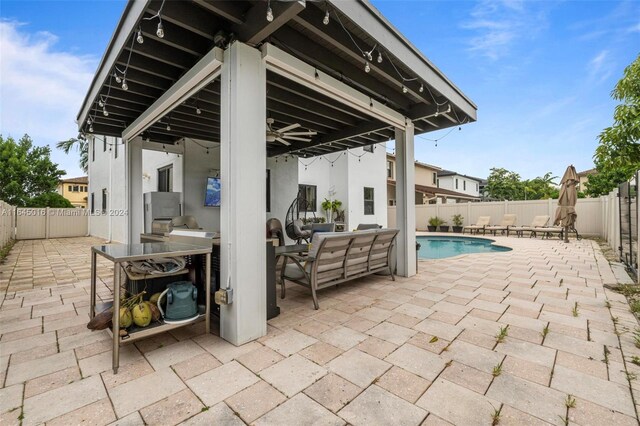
(469, 213)
(47, 223)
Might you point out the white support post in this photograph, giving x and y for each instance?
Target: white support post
(405, 196)
(133, 179)
(243, 162)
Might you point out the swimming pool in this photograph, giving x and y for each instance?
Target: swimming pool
(439, 247)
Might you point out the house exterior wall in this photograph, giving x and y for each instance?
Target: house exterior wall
(79, 197)
(349, 174)
(283, 189)
(107, 172)
(154, 160)
(449, 182)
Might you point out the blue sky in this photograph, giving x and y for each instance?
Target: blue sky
(541, 73)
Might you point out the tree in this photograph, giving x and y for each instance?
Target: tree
(605, 181)
(81, 145)
(619, 147)
(503, 184)
(27, 171)
(49, 199)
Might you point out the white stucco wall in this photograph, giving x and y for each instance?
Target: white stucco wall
(449, 182)
(106, 171)
(199, 166)
(348, 177)
(284, 188)
(154, 160)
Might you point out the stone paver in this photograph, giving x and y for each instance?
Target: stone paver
(414, 351)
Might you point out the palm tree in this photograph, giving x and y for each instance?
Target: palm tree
(81, 145)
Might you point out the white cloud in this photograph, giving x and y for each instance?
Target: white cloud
(497, 25)
(41, 88)
(601, 66)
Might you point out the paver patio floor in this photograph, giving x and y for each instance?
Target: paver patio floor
(421, 350)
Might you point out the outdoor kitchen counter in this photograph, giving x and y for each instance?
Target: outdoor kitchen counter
(119, 253)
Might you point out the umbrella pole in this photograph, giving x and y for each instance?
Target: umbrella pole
(566, 234)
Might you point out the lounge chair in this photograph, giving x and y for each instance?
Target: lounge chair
(507, 221)
(548, 231)
(481, 223)
(537, 222)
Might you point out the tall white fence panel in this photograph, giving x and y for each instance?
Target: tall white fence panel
(7, 223)
(590, 213)
(41, 223)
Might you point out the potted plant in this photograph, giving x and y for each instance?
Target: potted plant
(434, 222)
(457, 222)
(326, 206)
(443, 226)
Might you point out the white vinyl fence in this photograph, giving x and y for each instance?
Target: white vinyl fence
(7, 223)
(41, 223)
(594, 214)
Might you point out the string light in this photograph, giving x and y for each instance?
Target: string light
(269, 12)
(168, 127)
(118, 79)
(404, 89)
(90, 128)
(325, 20)
(379, 57)
(125, 86)
(421, 89)
(139, 38)
(198, 111)
(367, 68)
(104, 111)
(100, 103)
(160, 30)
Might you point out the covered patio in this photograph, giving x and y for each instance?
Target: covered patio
(421, 350)
(180, 76)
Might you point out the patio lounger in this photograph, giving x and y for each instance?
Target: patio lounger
(507, 221)
(537, 222)
(548, 231)
(335, 258)
(479, 226)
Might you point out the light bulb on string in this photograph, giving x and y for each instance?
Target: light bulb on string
(269, 12)
(100, 103)
(118, 79)
(421, 89)
(105, 112)
(139, 37)
(325, 20)
(168, 127)
(369, 57)
(379, 57)
(125, 86)
(367, 68)
(90, 128)
(404, 89)
(198, 111)
(160, 30)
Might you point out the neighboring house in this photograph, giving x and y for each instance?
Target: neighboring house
(584, 178)
(454, 181)
(75, 190)
(426, 185)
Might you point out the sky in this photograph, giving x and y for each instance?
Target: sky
(540, 72)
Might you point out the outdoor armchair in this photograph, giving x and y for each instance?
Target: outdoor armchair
(481, 223)
(507, 221)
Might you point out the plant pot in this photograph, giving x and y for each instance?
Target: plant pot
(457, 229)
(444, 228)
(432, 228)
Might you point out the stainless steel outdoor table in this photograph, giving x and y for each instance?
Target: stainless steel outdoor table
(119, 253)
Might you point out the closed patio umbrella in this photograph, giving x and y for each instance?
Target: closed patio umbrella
(566, 211)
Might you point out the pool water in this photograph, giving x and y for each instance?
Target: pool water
(439, 247)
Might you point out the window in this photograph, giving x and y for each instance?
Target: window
(390, 169)
(76, 188)
(93, 149)
(456, 183)
(165, 179)
(435, 178)
(464, 185)
(368, 148)
(476, 186)
(93, 203)
(307, 200)
(70, 188)
(104, 200)
(392, 202)
(438, 183)
(268, 191)
(368, 201)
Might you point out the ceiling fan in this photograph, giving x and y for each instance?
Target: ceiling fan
(285, 135)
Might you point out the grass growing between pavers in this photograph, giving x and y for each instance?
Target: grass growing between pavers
(4, 251)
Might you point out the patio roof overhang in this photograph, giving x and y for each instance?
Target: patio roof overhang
(195, 32)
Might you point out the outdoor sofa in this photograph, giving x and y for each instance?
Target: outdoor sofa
(338, 257)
